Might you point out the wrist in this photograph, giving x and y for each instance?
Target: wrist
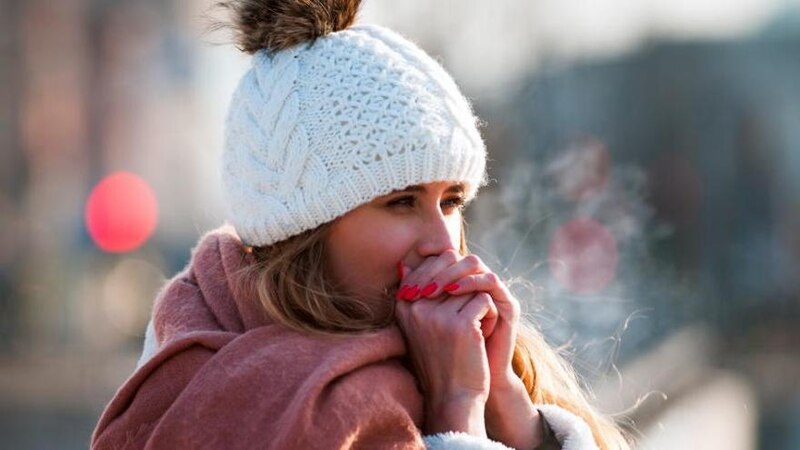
(508, 396)
(504, 386)
(511, 417)
(463, 413)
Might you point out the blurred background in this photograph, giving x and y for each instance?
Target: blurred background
(646, 180)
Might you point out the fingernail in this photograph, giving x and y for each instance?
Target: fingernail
(451, 287)
(411, 292)
(428, 290)
(401, 292)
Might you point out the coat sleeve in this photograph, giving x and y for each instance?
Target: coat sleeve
(456, 440)
(571, 432)
(562, 430)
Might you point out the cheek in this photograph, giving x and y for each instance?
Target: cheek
(365, 258)
(379, 251)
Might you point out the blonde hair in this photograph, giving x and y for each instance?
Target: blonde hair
(289, 279)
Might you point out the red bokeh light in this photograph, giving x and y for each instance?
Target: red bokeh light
(583, 256)
(121, 212)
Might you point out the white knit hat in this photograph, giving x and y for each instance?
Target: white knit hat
(321, 127)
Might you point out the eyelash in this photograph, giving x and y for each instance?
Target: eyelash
(457, 202)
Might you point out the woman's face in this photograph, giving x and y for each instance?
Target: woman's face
(365, 245)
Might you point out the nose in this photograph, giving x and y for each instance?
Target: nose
(438, 234)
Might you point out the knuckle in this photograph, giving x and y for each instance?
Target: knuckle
(458, 323)
(472, 261)
(416, 312)
(451, 327)
(482, 297)
(456, 298)
(442, 325)
(468, 329)
(516, 309)
(450, 256)
(461, 328)
(492, 278)
(429, 260)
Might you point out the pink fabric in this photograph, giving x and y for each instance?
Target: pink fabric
(225, 376)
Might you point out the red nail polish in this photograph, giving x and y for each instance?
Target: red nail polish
(411, 292)
(451, 287)
(401, 292)
(428, 290)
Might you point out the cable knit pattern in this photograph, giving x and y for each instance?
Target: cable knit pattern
(318, 129)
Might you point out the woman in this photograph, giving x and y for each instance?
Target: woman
(342, 308)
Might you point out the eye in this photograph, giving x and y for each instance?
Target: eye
(406, 201)
(456, 202)
(409, 201)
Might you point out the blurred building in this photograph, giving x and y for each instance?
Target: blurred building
(687, 154)
(88, 88)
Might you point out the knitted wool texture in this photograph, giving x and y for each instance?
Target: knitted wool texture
(318, 129)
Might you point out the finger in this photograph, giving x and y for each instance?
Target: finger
(401, 312)
(405, 287)
(454, 303)
(488, 325)
(491, 284)
(402, 272)
(410, 315)
(487, 281)
(481, 309)
(425, 313)
(402, 309)
(470, 264)
(419, 279)
(490, 320)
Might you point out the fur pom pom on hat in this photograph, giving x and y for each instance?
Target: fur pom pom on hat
(330, 116)
(279, 24)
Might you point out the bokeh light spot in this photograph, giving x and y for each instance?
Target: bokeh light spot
(121, 212)
(583, 256)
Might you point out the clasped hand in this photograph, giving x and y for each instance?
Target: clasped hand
(460, 322)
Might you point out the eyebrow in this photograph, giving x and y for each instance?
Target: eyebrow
(419, 188)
